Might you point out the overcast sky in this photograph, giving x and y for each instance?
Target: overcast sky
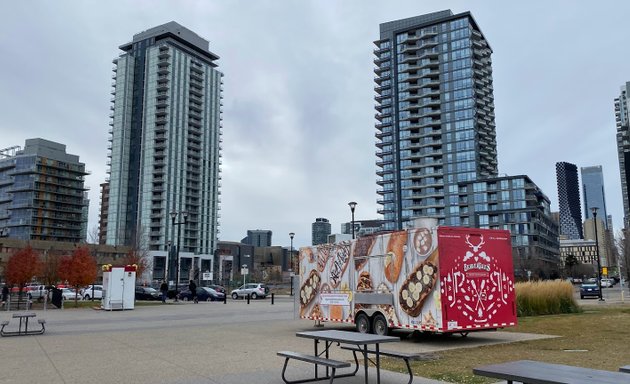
(298, 115)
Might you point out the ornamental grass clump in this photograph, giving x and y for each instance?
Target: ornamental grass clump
(547, 297)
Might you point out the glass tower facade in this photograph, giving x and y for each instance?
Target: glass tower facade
(435, 115)
(593, 190)
(320, 230)
(165, 141)
(622, 105)
(569, 201)
(517, 204)
(42, 193)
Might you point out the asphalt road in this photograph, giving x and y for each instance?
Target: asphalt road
(614, 295)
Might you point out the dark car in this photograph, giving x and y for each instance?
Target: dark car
(218, 288)
(203, 294)
(589, 289)
(147, 293)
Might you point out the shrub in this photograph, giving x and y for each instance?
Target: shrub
(547, 297)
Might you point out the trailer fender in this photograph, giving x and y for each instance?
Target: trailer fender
(370, 312)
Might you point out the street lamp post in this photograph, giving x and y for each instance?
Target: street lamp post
(291, 235)
(599, 263)
(352, 205)
(169, 260)
(182, 220)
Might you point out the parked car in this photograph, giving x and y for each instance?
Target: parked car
(607, 283)
(87, 292)
(70, 294)
(203, 294)
(218, 288)
(213, 294)
(148, 293)
(589, 290)
(254, 290)
(37, 292)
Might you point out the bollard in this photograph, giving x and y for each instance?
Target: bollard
(248, 298)
(272, 298)
(225, 298)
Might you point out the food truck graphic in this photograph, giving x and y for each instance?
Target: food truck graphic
(429, 278)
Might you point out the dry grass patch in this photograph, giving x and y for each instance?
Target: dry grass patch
(603, 331)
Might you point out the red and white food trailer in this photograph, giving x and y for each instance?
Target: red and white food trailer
(429, 278)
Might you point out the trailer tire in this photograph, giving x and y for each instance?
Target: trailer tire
(362, 323)
(379, 325)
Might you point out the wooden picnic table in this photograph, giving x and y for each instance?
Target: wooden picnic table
(536, 372)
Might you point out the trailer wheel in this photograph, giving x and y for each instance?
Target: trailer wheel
(379, 325)
(363, 323)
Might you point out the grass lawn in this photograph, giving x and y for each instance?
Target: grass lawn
(597, 338)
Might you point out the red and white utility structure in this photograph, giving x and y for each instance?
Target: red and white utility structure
(429, 278)
(119, 287)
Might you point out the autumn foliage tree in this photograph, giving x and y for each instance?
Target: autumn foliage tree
(136, 257)
(22, 267)
(78, 269)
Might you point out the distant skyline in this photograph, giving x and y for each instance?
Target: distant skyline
(298, 103)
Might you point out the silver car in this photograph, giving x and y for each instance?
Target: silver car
(86, 292)
(70, 294)
(254, 290)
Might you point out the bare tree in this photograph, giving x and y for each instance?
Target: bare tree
(139, 253)
(623, 247)
(50, 267)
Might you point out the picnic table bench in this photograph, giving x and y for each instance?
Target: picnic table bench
(406, 356)
(535, 372)
(23, 319)
(317, 360)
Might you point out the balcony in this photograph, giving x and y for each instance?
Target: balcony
(196, 76)
(195, 107)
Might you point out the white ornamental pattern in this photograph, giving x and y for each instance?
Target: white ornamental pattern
(476, 285)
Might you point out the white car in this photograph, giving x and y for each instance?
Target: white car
(70, 294)
(607, 283)
(87, 292)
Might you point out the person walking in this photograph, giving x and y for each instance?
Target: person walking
(5, 294)
(193, 291)
(164, 290)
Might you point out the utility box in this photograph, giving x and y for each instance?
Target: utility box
(119, 287)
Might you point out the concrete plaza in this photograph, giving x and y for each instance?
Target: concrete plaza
(185, 343)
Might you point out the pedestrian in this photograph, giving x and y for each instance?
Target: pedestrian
(193, 291)
(164, 290)
(5, 294)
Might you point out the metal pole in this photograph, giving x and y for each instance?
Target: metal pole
(599, 264)
(179, 230)
(291, 235)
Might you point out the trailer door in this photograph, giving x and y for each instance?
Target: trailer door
(477, 278)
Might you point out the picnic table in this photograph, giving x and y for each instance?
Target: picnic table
(536, 372)
(23, 320)
(331, 337)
